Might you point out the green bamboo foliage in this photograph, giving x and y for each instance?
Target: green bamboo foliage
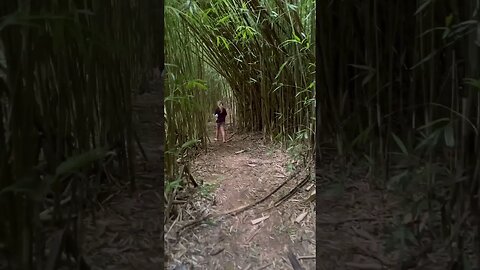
(68, 69)
(400, 85)
(256, 56)
(270, 44)
(264, 51)
(191, 92)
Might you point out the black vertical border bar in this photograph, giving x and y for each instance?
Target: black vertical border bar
(159, 61)
(317, 122)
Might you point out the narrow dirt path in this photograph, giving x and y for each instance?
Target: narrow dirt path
(234, 174)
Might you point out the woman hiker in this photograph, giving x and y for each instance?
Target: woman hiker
(220, 115)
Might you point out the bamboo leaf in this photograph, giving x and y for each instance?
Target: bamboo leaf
(422, 6)
(281, 68)
(76, 163)
(431, 140)
(433, 123)
(196, 84)
(171, 185)
(367, 68)
(425, 59)
(190, 143)
(395, 180)
(400, 144)
(448, 20)
(27, 185)
(368, 78)
(473, 82)
(449, 137)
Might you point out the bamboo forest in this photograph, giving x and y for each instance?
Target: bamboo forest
(398, 118)
(239, 134)
(245, 201)
(79, 139)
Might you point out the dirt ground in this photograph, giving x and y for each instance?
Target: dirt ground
(234, 174)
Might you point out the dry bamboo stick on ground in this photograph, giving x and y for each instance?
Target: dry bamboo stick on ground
(238, 209)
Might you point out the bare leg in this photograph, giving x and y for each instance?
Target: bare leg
(222, 129)
(216, 133)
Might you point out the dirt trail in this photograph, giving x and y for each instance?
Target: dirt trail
(234, 174)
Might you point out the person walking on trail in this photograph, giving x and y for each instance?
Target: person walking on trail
(220, 114)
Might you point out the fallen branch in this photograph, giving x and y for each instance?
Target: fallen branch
(189, 176)
(293, 191)
(174, 222)
(230, 137)
(289, 194)
(179, 202)
(245, 137)
(239, 209)
(216, 252)
(309, 257)
(252, 236)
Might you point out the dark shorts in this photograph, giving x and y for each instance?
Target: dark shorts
(220, 124)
